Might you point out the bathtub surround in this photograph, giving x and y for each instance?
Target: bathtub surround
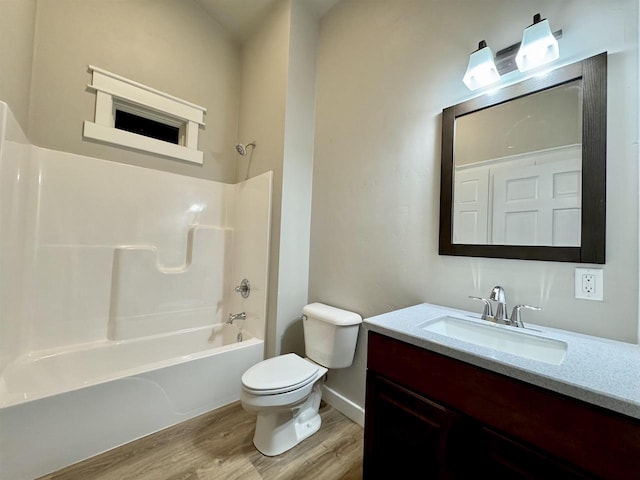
(117, 281)
(108, 248)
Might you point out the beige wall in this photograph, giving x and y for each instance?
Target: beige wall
(171, 45)
(262, 114)
(17, 24)
(297, 180)
(385, 72)
(277, 111)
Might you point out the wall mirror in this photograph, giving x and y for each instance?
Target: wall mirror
(524, 169)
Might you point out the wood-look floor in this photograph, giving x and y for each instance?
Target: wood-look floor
(218, 445)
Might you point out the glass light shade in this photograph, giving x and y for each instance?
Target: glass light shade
(538, 46)
(481, 70)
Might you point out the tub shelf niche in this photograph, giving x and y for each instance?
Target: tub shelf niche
(149, 299)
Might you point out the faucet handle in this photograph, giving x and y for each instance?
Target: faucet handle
(244, 288)
(487, 311)
(516, 316)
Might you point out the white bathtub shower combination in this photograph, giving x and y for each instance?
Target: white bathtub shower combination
(115, 282)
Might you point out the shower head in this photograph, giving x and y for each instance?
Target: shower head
(242, 149)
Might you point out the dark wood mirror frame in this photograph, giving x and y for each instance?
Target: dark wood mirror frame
(593, 72)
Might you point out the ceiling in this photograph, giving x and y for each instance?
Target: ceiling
(239, 17)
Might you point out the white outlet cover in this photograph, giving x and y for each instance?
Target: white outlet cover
(598, 293)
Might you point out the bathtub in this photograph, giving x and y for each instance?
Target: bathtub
(65, 405)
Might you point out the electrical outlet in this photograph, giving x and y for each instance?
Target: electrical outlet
(589, 284)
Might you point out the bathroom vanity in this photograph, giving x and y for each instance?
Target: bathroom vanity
(454, 409)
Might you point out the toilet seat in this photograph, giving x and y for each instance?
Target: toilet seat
(279, 374)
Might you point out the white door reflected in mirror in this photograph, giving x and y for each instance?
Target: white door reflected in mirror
(518, 171)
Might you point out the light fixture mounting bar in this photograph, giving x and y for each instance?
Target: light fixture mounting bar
(506, 58)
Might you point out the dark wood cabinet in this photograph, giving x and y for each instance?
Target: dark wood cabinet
(431, 416)
(414, 429)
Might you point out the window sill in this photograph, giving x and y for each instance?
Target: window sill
(139, 142)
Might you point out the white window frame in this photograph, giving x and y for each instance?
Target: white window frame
(116, 92)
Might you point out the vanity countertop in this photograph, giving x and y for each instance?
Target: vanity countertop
(596, 370)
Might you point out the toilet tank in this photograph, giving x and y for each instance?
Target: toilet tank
(330, 334)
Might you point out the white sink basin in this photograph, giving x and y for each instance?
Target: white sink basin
(499, 338)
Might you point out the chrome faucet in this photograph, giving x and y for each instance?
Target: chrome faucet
(498, 295)
(501, 316)
(236, 316)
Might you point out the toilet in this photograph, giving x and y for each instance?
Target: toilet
(285, 391)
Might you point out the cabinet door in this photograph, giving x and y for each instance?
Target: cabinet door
(409, 436)
(506, 459)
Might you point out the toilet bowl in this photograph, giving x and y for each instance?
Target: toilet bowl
(284, 392)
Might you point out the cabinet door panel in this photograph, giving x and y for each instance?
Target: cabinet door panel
(505, 459)
(408, 436)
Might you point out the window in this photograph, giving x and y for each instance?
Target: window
(130, 122)
(136, 116)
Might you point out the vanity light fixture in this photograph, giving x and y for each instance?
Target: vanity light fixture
(481, 70)
(538, 46)
(535, 49)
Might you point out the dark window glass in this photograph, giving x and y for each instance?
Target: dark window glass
(149, 128)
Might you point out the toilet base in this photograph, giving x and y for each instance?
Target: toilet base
(279, 431)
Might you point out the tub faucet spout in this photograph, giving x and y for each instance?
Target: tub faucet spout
(236, 316)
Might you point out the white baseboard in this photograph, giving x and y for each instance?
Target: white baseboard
(345, 406)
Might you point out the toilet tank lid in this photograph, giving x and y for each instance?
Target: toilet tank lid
(329, 314)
